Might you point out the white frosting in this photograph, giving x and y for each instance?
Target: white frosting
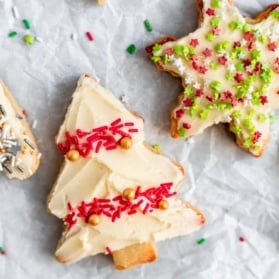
(107, 174)
(22, 148)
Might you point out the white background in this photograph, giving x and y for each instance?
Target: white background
(238, 193)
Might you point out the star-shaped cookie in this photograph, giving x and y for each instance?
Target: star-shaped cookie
(230, 73)
(114, 193)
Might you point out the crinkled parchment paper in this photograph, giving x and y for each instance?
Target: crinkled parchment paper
(238, 193)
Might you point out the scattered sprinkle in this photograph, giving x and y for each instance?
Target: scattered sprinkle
(25, 113)
(2, 251)
(39, 39)
(15, 12)
(148, 25)
(89, 36)
(241, 238)
(131, 49)
(201, 241)
(34, 124)
(29, 39)
(26, 23)
(157, 147)
(108, 250)
(12, 34)
(74, 36)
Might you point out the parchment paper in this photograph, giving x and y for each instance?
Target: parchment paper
(238, 193)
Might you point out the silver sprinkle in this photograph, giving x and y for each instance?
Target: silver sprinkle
(2, 110)
(15, 12)
(34, 124)
(20, 169)
(29, 143)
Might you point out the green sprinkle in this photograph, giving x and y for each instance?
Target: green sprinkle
(229, 76)
(239, 66)
(193, 109)
(156, 58)
(256, 147)
(262, 39)
(157, 49)
(236, 129)
(272, 118)
(131, 49)
(12, 34)
(178, 49)
(201, 241)
(148, 25)
(248, 142)
(275, 14)
(215, 21)
(29, 39)
(246, 28)
(210, 107)
(262, 117)
(215, 4)
(203, 115)
(256, 54)
(166, 59)
(188, 91)
(218, 47)
(226, 45)
(157, 147)
(182, 132)
(251, 112)
(26, 23)
(215, 85)
(266, 75)
(221, 106)
(235, 25)
(210, 37)
(236, 114)
(214, 65)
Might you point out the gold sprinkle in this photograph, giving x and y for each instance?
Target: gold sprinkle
(129, 194)
(126, 142)
(163, 204)
(72, 155)
(94, 220)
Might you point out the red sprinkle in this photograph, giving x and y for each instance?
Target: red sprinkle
(207, 52)
(216, 31)
(239, 77)
(194, 42)
(89, 36)
(256, 136)
(210, 12)
(222, 60)
(169, 51)
(199, 92)
(179, 113)
(241, 238)
(264, 100)
(188, 102)
(248, 36)
(272, 46)
(108, 250)
(25, 113)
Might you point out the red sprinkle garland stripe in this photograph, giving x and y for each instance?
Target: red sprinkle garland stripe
(107, 137)
(145, 201)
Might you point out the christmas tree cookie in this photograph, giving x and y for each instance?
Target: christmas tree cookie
(115, 194)
(230, 73)
(19, 153)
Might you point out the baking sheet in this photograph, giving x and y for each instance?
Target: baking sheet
(238, 193)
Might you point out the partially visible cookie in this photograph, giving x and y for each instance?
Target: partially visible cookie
(229, 69)
(101, 2)
(19, 153)
(114, 193)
